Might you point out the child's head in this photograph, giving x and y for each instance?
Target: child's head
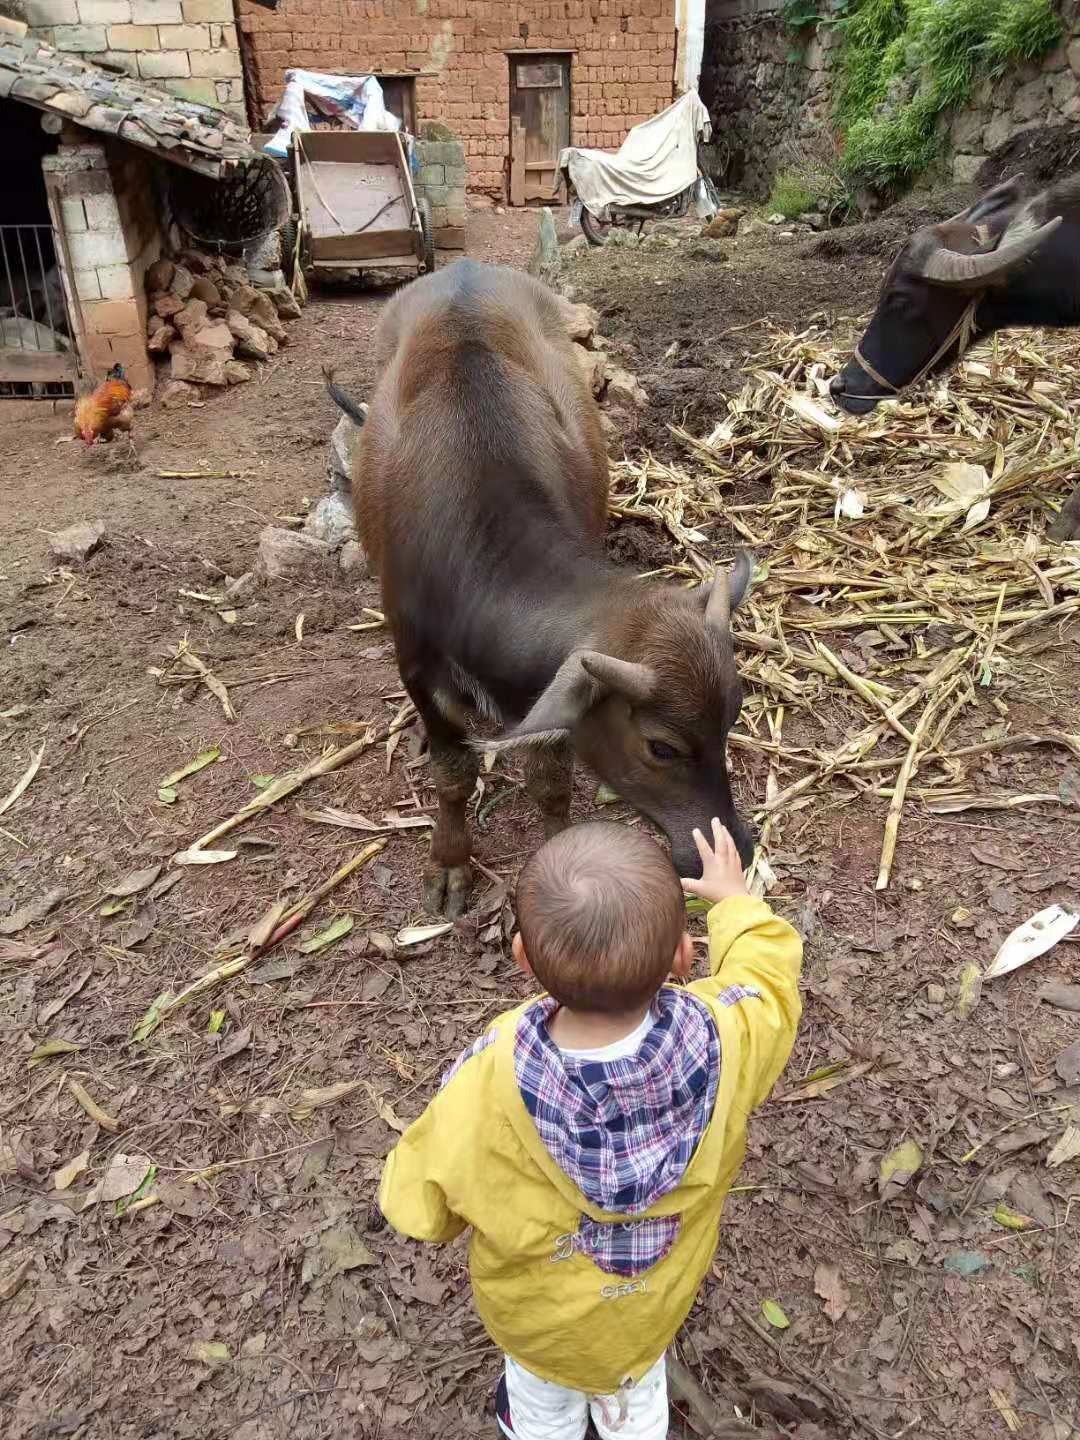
(602, 918)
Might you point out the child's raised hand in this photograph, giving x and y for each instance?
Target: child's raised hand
(721, 871)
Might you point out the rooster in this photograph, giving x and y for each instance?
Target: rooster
(105, 410)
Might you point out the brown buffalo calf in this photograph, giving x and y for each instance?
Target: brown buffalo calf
(481, 489)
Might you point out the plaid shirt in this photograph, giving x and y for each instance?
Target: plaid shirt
(623, 1130)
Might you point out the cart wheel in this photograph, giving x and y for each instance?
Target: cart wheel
(596, 231)
(427, 236)
(288, 248)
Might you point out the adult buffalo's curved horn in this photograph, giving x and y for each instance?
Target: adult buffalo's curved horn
(950, 267)
(727, 591)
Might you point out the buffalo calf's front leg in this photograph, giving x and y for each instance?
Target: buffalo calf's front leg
(549, 778)
(448, 875)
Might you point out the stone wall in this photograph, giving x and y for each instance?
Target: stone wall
(767, 85)
(763, 84)
(623, 60)
(187, 46)
(441, 180)
(103, 203)
(1040, 93)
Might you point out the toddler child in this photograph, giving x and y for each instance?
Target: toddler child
(590, 1135)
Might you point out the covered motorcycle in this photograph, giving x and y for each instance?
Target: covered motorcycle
(653, 174)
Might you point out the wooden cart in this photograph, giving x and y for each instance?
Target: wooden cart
(358, 208)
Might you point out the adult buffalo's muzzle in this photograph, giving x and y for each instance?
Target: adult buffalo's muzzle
(840, 388)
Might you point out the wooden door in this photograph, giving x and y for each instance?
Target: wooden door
(539, 125)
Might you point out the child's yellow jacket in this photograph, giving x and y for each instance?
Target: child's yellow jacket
(474, 1158)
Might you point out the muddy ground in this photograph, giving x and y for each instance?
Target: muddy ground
(260, 1296)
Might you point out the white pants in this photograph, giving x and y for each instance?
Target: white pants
(542, 1410)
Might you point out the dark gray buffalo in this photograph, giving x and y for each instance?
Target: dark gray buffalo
(1007, 261)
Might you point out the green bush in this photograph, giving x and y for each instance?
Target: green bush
(905, 63)
(791, 195)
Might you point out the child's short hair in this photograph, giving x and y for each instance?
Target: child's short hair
(601, 913)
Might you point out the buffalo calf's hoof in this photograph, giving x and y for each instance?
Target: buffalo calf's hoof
(446, 890)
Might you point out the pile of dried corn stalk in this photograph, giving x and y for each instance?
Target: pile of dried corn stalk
(902, 567)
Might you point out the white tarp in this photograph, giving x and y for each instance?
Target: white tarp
(658, 159)
(357, 100)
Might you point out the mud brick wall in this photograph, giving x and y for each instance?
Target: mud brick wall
(622, 71)
(104, 202)
(187, 46)
(441, 179)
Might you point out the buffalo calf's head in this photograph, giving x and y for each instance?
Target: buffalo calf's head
(651, 714)
(916, 329)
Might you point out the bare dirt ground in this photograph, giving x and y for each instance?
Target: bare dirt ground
(260, 1295)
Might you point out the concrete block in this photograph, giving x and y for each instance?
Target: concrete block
(450, 237)
(133, 37)
(104, 12)
(73, 216)
(102, 212)
(202, 91)
(185, 37)
(115, 282)
(455, 176)
(112, 317)
(41, 13)
(438, 195)
(125, 60)
(164, 64)
(206, 12)
(80, 39)
(156, 12)
(221, 64)
(103, 247)
(86, 285)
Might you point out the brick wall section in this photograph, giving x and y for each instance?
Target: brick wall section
(103, 201)
(441, 179)
(622, 68)
(188, 46)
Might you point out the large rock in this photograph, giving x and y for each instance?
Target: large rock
(353, 561)
(205, 290)
(77, 542)
(331, 521)
(285, 302)
(339, 459)
(581, 322)
(200, 363)
(544, 262)
(159, 276)
(251, 339)
(260, 308)
(287, 555)
(236, 372)
(178, 393)
(594, 366)
(191, 318)
(182, 281)
(166, 306)
(623, 390)
(159, 335)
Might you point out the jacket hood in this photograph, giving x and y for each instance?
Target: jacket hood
(624, 1131)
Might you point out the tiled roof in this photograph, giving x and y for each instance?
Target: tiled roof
(198, 136)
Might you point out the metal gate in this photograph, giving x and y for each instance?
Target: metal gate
(37, 345)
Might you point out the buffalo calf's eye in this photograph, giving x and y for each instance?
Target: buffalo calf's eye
(662, 751)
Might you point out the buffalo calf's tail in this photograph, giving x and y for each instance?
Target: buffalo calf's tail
(357, 413)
